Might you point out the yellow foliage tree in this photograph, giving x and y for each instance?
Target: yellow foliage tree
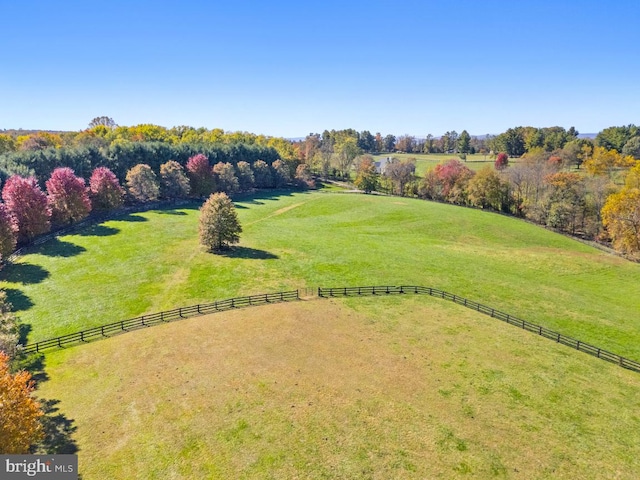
(603, 161)
(621, 215)
(20, 427)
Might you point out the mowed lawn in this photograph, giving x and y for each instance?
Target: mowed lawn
(151, 261)
(369, 388)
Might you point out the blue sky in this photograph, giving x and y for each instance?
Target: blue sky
(287, 68)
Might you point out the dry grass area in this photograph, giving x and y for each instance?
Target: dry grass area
(380, 388)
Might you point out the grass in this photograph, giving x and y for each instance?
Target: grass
(411, 387)
(370, 388)
(425, 161)
(151, 261)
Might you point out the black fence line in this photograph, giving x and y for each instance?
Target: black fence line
(143, 321)
(505, 317)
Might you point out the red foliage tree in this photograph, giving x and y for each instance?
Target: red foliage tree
(8, 230)
(105, 190)
(68, 197)
(502, 161)
(28, 205)
(200, 176)
(447, 181)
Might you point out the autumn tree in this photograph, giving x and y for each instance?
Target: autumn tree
(400, 174)
(8, 232)
(9, 329)
(225, 176)
(201, 176)
(486, 189)
(447, 181)
(367, 177)
(621, 215)
(102, 121)
(566, 207)
(105, 190)
(142, 183)
(345, 151)
(173, 181)
(219, 225)
(28, 205)
(604, 161)
(281, 174)
(263, 174)
(303, 177)
(68, 197)
(246, 179)
(20, 427)
(502, 161)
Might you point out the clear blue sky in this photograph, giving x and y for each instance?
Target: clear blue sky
(288, 68)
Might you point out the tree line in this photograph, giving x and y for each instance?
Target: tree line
(588, 203)
(28, 211)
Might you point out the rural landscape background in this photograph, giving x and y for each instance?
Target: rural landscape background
(179, 157)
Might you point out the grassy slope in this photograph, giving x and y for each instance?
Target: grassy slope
(151, 261)
(378, 388)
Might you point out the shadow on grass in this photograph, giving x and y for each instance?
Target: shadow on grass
(59, 248)
(248, 253)
(56, 427)
(171, 212)
(24, 273)
(129, 217)
(18, 300)
(58, 430)
(98, 231)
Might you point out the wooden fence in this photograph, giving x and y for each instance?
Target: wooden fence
(531, 327)
(262, 299)
(157, 318)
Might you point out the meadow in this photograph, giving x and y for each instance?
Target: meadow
(402, 387)
(426, 161)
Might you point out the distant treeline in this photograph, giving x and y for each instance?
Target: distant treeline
(121, 157)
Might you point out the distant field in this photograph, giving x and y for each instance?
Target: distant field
(371, 388)
(151, 261)
(426, 161)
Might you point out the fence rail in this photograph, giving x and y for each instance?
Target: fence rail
(262, 299)
(158, 318)
(505, 317)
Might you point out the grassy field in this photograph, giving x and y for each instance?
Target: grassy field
(425, 161)
(151, 261)
(403, 387)
(371, 388)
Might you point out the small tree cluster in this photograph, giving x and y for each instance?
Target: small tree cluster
(219, 225)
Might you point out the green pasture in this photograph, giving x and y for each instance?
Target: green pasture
(151, 261)
(397, 387)
(426, 161)
(369, 388)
